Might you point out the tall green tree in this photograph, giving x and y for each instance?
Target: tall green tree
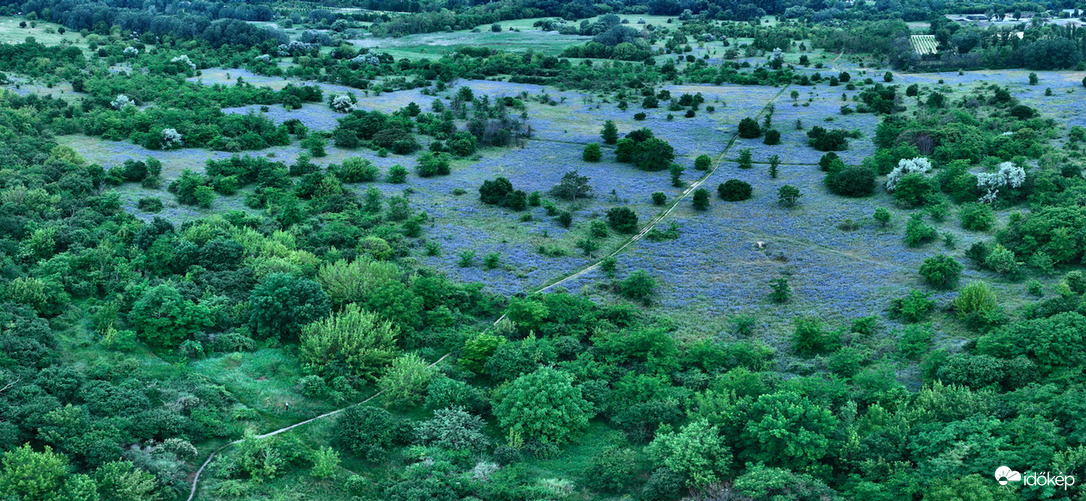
(121, 481)
(164, 319)
(30, 475)
(405, 381)
(282, 303)
(697, 451)
(610, 132)
(354, 342)
(788, 430)
(542, 407)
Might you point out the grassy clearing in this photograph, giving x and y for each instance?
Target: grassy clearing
(433, 45)
(266, 382)
(43, 31)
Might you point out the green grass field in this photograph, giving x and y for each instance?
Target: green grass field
(44, 32)
(434, 45)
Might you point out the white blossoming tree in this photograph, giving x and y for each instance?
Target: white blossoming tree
(342, 103)
(171, 138)
(918, 165)
(121, 102)
(1009, 176)
(184, 59)
(367, 59)
(131, 51)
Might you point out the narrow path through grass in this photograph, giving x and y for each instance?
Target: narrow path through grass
(640, 234)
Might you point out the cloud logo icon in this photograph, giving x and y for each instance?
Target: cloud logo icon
(1004, 474)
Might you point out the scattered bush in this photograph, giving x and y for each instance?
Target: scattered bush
(772, 137)
(882, 216)
(622, 219)
(749, 128)
(781, 291)
(976, 216)
(734, 190)
(917, 233)
(941, 272)
(701, 199)
(432, 164)
(976, 299)
(592, 153)
(788, 195)
(809, 337)
(357, 170)
(852, 182)
(150, 204)
(397, 174)
(914, 307)
(639, 286)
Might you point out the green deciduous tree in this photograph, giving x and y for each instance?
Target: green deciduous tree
(622, 219)
(542, 407)
(761, 483)
(367, 431)
(477, 350)
(1056, 341)
(914, 189)
(788, 195)
(613, 470)
(354, 342)
(788, 430)
(697, 451)
(281, 304)
(356, 281)
(121, 481)
(941, 272)
(592, 153)
(164, 319)
(701, 199)
(31, 475)
(325, 462)
(453, 429)
(405, 381)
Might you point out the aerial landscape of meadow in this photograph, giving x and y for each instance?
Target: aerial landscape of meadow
(651, 250)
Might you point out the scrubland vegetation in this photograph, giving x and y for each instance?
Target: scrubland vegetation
(662, 250)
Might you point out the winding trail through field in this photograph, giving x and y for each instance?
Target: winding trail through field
(200, 471)
(717, 162)
(833, 64)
